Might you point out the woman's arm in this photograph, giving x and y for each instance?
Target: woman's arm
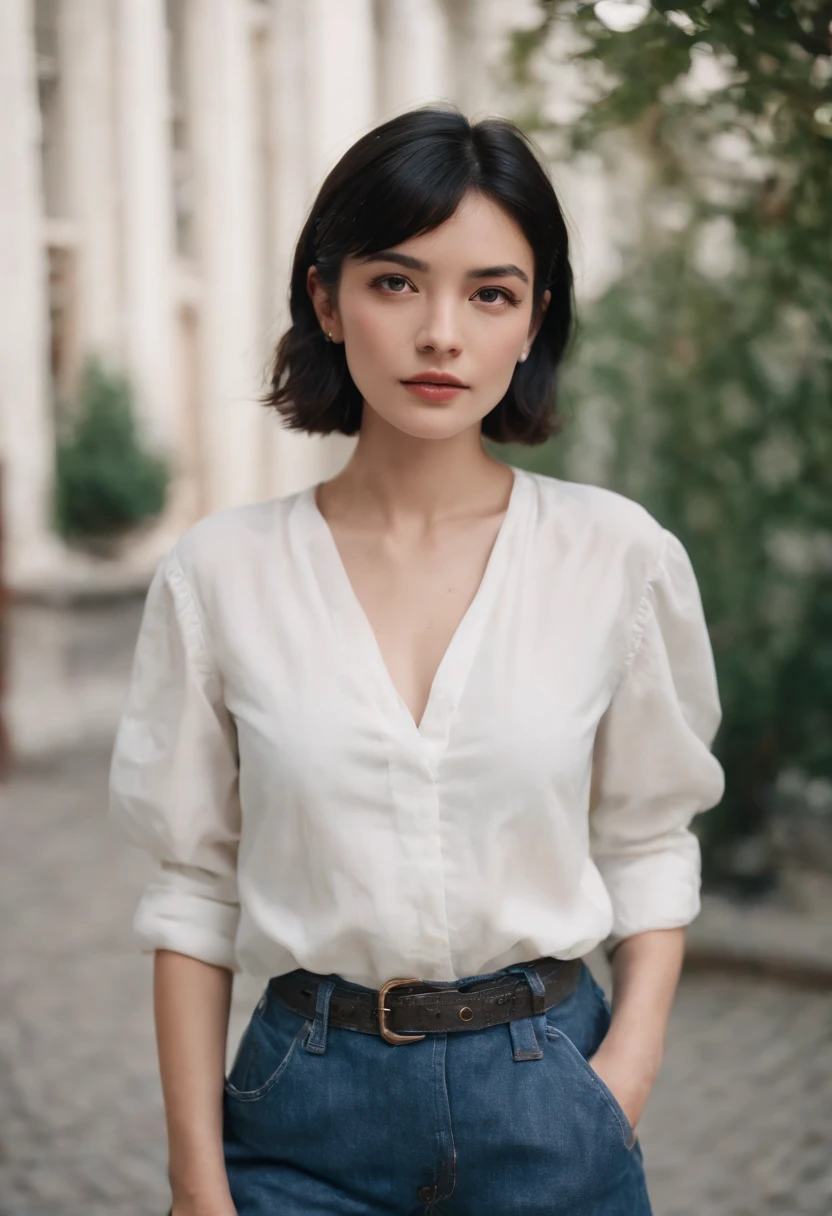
(174, 787)
(191, 1006)
(645, 975)
(653, 771)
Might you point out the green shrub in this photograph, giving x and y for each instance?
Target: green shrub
(705, 382)
(106, 480)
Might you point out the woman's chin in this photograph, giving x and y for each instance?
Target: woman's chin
(431, 422)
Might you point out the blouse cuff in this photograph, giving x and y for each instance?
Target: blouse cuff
(174, 914)
(655, 891)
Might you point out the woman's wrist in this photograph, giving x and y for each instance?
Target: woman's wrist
(212, 1206)
(198, 1185)
(642, 1046)
(645, 974)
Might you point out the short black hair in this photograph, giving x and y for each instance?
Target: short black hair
(403, 178)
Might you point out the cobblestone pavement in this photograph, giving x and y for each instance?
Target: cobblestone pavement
(739, 1124)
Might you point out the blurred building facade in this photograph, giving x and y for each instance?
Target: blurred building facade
(159, 158)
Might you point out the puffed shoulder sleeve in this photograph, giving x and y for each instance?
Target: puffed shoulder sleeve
(653, 769)
(173, 782)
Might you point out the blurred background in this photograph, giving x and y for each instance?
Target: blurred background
(157, 159)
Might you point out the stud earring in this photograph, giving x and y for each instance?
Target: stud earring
(329, 335)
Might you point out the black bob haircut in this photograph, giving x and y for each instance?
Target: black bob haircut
(404, 178)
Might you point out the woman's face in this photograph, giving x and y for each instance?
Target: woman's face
(426, 305)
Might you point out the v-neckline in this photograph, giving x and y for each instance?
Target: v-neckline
(359, 636)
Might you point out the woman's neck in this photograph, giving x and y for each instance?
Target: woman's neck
(415, 481)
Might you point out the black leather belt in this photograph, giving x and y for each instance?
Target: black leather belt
(404, 1010)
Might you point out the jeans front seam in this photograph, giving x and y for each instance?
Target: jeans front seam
(442, 1109)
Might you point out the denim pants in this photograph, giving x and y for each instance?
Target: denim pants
(511, 1120)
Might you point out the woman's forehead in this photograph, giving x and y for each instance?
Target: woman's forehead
(481, 240)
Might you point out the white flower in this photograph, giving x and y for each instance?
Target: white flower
(777, 460)
(818, 794)
(791, 550)
(715, 251)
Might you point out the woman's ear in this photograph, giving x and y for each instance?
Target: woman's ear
(327, 315)
(537, 321)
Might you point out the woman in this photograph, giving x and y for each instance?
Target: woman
(413, 741)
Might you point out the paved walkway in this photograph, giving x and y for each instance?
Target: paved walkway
(739, 1124)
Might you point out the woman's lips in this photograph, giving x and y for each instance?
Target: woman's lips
(433, 392)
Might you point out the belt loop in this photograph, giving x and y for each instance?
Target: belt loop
(524, 1042)
(316, 1039)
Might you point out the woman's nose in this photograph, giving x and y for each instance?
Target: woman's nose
(441, 329)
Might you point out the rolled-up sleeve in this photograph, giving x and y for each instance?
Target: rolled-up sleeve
(653, 769)
(173, 782)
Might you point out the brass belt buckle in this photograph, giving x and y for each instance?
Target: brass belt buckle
(390, 1035)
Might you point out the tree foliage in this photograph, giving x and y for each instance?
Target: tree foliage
(106, 479)
(710, 357)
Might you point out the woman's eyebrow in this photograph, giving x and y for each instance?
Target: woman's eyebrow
(404, 259)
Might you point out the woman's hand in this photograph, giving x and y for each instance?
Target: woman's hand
(629, 1076)
(645, 973)
(203, 1191)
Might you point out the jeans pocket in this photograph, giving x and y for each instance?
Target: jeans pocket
(617, 1117)
(601, 995)
(266, 1047)
(583, 1016)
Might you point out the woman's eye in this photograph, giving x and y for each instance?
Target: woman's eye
(502, 295)
(395, 284)
(392, 278)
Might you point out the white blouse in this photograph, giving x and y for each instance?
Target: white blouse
(299, 816)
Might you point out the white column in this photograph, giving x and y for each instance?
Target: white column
(26, 430)
(295, 458)
(341, 102)
(325, 97)
(476, 45)
(224, 131)
(340, 78)
(86, 51)
(414, 67)
(147, 212)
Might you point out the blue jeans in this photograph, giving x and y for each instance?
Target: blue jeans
(511, 1120)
